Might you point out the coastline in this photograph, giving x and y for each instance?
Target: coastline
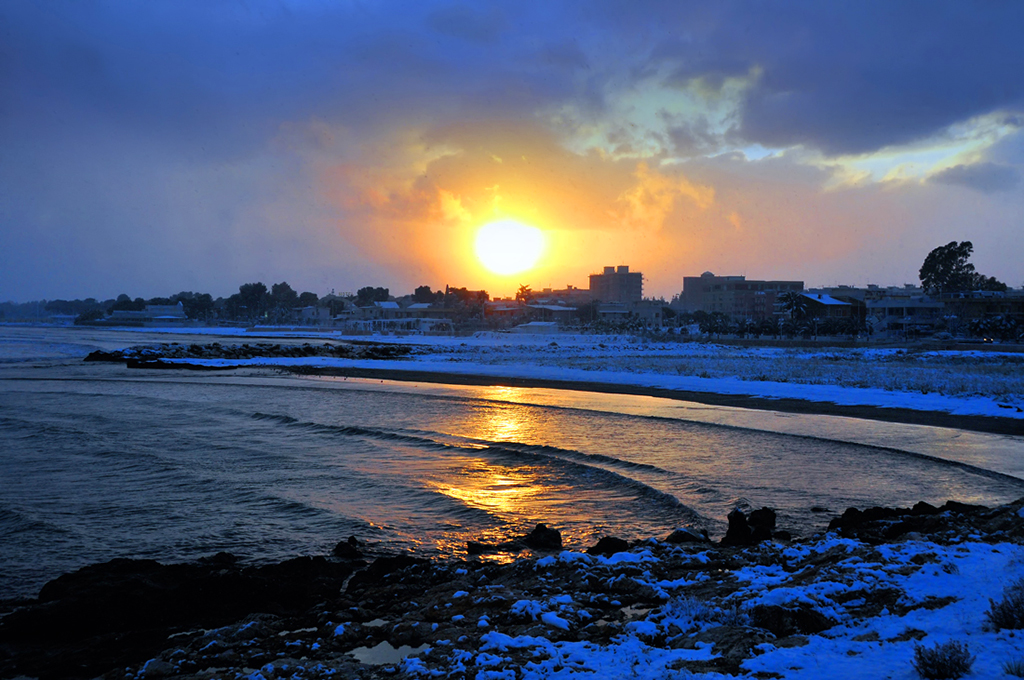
(856, 601)
(975, 423)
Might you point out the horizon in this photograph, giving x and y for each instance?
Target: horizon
(534, 289)
(155, 148)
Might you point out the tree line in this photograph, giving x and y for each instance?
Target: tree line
(253, 302)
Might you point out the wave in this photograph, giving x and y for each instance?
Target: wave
(583, 468)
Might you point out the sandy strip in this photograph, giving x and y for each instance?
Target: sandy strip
(990, 424)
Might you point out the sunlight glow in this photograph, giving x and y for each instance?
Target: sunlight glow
(509, 247)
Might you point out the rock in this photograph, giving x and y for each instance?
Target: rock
(762, 524)
(608, 545)
(543, 538)
(100, 355)
(739, 532)
(683, 535)
(922, 508)
(122, 611)
(734, 643)
(347, 550)
(786, 621)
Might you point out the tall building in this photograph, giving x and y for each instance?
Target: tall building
(733, 296)
(617, 285)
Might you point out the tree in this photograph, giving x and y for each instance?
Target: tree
(254, 297)
(982, 282)
(423, 294)
(524, 294)
(308, 299)
(368, 295)
(794, 303)
(946, 269)
(283, 297)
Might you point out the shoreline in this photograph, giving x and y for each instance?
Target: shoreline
(975, 423)
(754, 603)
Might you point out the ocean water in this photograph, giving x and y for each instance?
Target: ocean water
(99, 461)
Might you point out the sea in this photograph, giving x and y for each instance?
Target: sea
(99, 461)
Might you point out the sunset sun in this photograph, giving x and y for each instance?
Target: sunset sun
(509, 247)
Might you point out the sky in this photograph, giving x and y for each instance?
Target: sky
(153, 147)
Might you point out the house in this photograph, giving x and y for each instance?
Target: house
(824, 306)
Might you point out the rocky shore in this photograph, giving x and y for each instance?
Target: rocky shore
(176, 355)
(681, 604)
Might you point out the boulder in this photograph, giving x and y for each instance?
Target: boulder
(762, 524)
(608, 545)
(684, 535)
(739, 532)
(543, 538)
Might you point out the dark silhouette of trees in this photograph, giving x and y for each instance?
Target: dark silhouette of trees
(423, 294)
(283, 298)
(307, 299)
(196, 305)
(946, 269)
(368, 295)
(524, 294)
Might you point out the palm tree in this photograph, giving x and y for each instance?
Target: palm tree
(794, 303)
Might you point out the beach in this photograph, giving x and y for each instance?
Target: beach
(229, 558)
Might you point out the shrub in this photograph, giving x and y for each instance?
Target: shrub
(949, 660)
(1008, 612)
(1014, 668)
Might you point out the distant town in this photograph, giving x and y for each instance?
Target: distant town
(952, 301)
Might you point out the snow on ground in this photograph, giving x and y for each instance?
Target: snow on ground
(524, 364)
(877, 603)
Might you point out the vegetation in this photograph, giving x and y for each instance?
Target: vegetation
(1008, 613)
(949, 660)
(1014, 668)
(946, 269)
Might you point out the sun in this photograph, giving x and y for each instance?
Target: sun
(509, 247)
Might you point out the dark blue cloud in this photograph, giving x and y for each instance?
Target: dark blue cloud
(984, 177)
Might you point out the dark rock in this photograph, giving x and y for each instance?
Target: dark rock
(786, 621)
(543, 538)
(783, 535)
(118, 612)
(762, 524)
(608, 545)
(100, 355)
(734, 643)
(962, 508)
(922, 508)
(347, 550)
(739, 532)
(223, 559)
(683, 535)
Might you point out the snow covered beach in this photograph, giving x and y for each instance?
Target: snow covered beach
(972, 389)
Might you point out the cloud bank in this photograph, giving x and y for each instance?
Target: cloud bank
(154, 147)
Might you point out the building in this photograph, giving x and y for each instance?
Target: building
(152, 315)
(824, 306)
(617, 284)
(733, 296)
(570, 295)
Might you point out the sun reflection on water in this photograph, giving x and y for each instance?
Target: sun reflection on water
(504, 421)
